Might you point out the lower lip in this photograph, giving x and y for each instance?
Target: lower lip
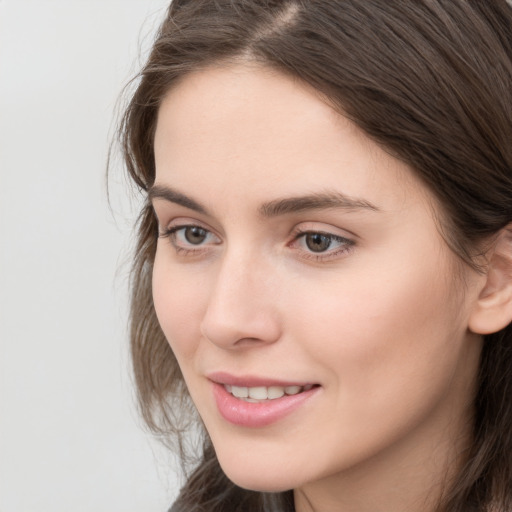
(260, 414)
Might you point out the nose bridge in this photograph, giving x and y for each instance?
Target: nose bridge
(241, 304)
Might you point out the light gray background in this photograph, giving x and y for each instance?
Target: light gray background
(70, 438)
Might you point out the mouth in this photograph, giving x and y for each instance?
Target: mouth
(258, 394)
(259, 402)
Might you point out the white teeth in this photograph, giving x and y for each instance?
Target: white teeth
(292, 390)
(259, 393)
(239, 392)
(275, 392)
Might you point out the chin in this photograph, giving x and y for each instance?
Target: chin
(263, 484)
(252, 478)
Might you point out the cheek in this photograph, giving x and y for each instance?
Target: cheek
(389, 351)
(392, 332)
(179, 305)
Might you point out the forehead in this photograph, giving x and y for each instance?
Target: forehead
(255, 132)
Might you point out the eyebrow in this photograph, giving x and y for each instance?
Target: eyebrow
(173, 196)
(274, 208)
(319, 201)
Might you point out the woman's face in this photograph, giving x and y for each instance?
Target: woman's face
(300, 267)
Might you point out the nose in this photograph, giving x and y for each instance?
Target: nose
(242, 309)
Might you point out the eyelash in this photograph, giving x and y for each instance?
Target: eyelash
(171, 233)
(345, 247)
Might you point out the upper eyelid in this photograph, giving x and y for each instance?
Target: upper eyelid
(185, 222)
(334, 236)
(304, 227)
(328, 232)
(339, 238)
(325, 229)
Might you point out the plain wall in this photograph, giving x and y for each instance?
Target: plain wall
(70, 437)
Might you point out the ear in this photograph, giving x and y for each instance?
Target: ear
(493, 309)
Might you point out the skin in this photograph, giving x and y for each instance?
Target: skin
(379, 322)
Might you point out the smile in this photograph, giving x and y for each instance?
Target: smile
(263, 393)
(256, 403)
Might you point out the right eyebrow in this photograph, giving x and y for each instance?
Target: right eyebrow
(173, 196)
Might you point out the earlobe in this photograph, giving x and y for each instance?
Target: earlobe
(493, 309)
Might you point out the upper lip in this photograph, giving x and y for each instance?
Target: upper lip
(252, 380)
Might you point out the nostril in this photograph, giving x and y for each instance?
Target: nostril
(248, 341)
(240, 313)
(230, 333)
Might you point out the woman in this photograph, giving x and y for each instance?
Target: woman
(324, 259)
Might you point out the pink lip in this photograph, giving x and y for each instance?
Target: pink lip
(260, 414)
(250, 381)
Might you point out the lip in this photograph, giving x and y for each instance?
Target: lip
(251, 381)
(261, 414)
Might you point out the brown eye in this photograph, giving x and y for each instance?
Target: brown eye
(195, 235)
(190, 238)
(317, 242)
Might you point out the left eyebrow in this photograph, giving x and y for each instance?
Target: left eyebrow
(318, 201)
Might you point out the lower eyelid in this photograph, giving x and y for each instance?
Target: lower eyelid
(326, 257)
(337, 238)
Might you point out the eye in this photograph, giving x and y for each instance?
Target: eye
(190, 238)
(319, 245)
(193, 234)
(317, 242)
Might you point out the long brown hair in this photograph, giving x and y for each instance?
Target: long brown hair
(431, 82)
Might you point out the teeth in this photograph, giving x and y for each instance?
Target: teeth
(292, 390)
(275, 392)
(239, 392)
(259, 393)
